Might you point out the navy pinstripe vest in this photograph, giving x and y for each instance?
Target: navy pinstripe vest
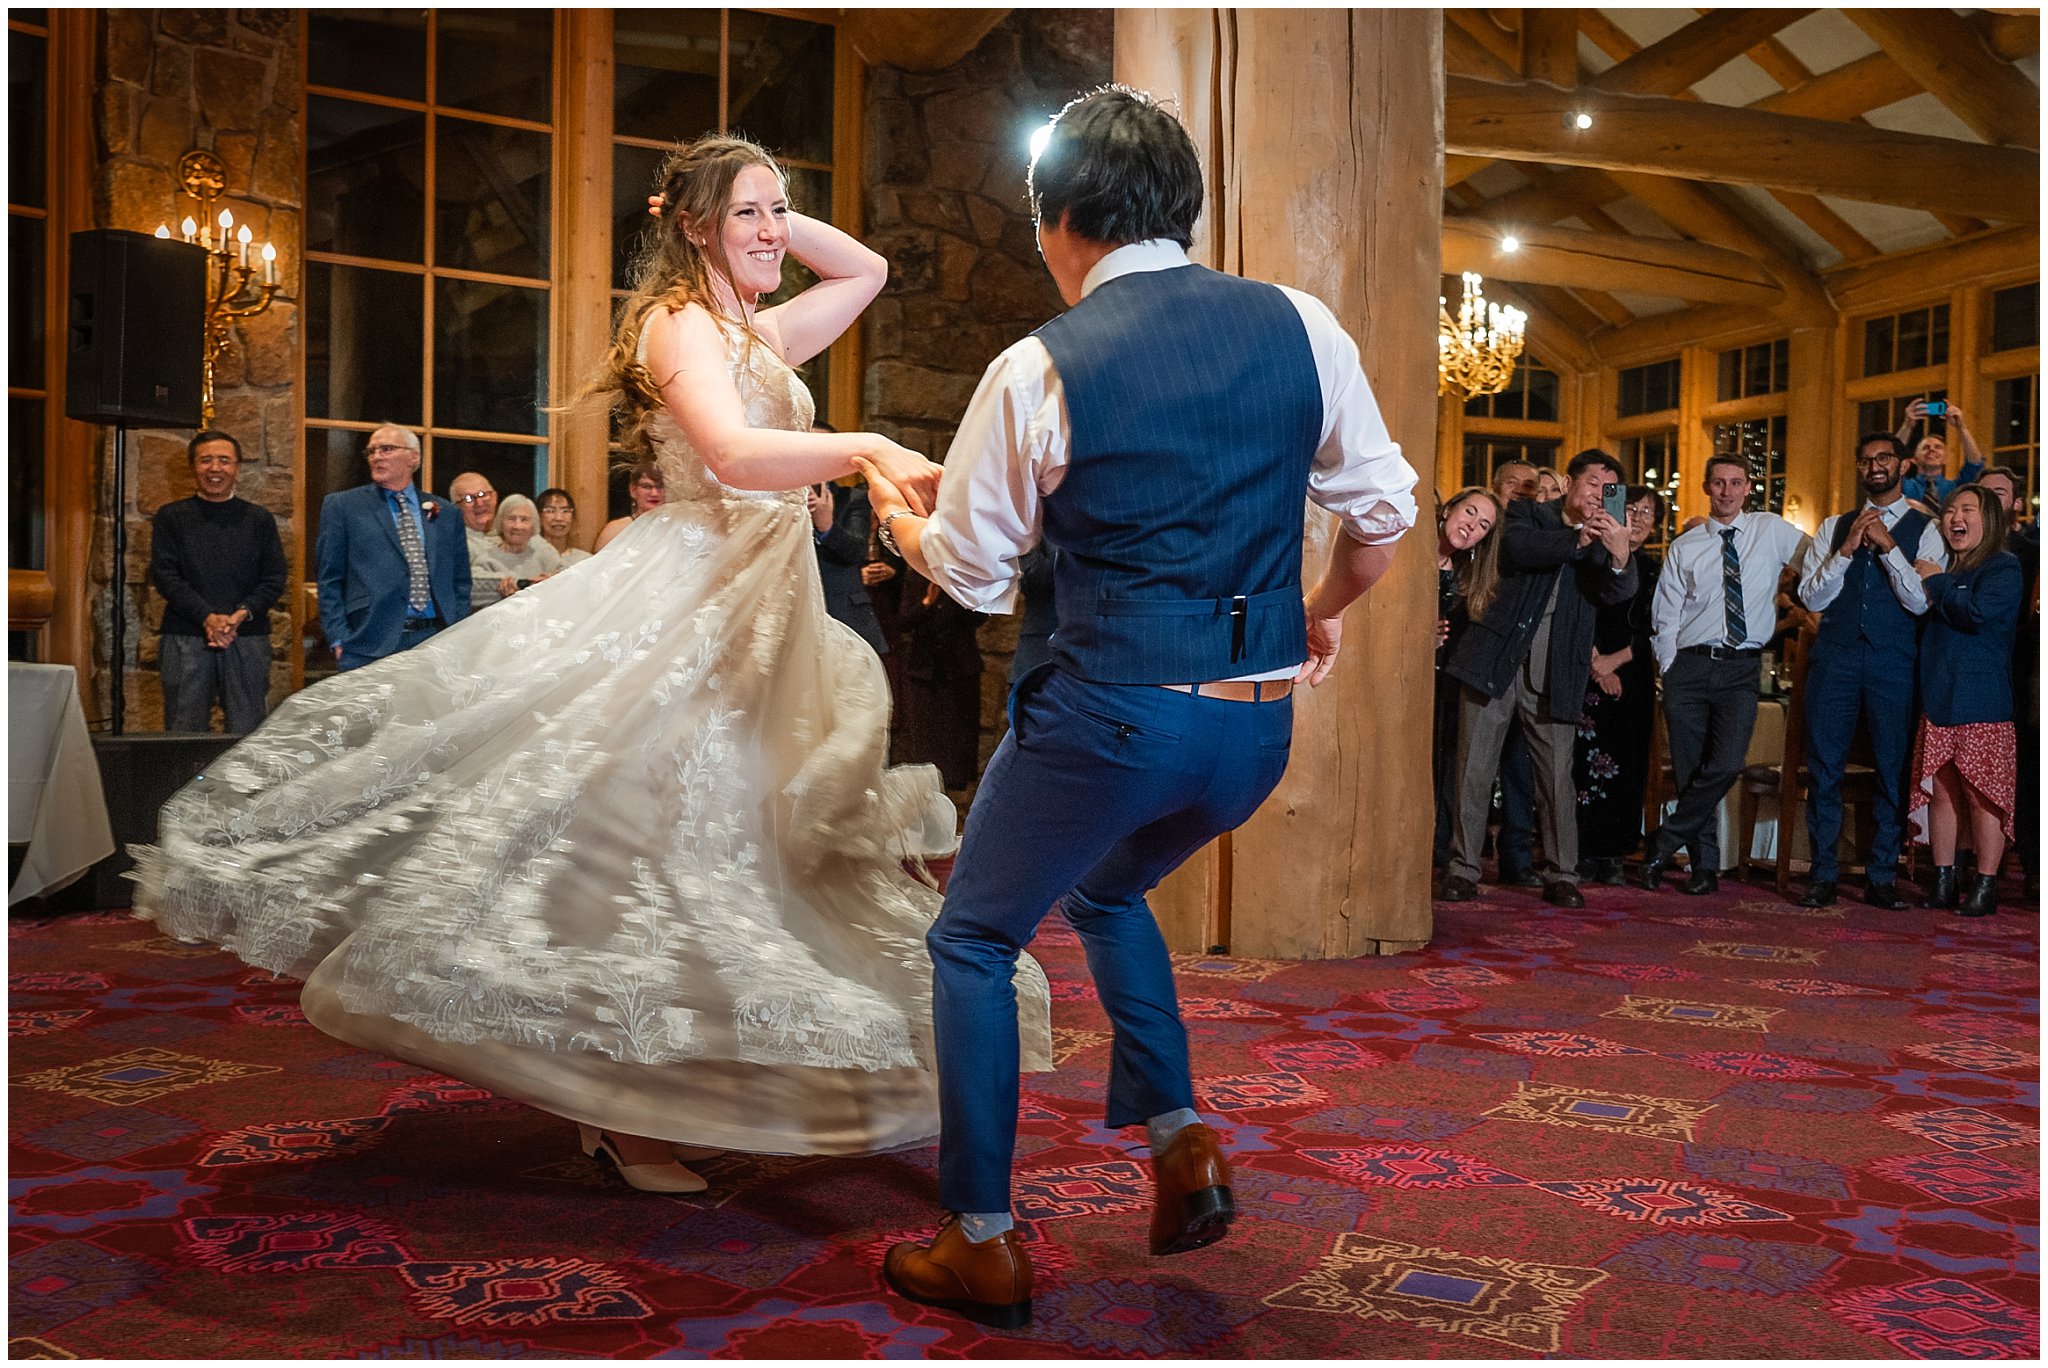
(1196, 412)
(1867, 608)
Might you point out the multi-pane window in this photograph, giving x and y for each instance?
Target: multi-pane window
(683, 73)
(429, 202)
(28, 262)
(1906, 341)
(1484, 455)
(1885, 415)
(1653, 460)
(2016, 433)
(2016, 317)
(1745, 372)
(1647, 389)
(1531, 395)
(1759, 444)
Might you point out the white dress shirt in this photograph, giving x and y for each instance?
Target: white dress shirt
(1691, 607)
(1821, 578)
(1012, 449)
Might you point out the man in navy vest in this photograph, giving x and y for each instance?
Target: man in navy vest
(1860, 578)
(1160, 435)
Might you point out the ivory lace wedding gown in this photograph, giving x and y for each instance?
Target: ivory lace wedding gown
(624, 846)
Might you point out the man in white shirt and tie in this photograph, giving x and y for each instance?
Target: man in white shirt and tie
(1859, 577)
(1713, 612)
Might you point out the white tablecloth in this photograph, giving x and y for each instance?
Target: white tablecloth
(54, 802)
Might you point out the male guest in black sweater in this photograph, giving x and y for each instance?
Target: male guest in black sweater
(218, 563)
(1528, 656)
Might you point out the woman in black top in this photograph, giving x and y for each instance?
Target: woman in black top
(1466, 566)
(1612, 760)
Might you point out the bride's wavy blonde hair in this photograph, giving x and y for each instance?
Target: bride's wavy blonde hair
(695, 184)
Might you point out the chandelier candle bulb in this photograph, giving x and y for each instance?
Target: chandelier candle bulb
(190, 227)
(163, 230)
(269, 264)
(242, 237)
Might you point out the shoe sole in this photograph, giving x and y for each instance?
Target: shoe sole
(1012, 1316)
(1205, 1219)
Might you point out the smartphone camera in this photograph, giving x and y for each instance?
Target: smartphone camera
(1937, 408)
(1614, 501)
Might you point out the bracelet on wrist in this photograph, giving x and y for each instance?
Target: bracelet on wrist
(886, 533)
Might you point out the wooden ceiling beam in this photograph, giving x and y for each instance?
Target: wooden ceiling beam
(2011, 36)
(1698, 141)
(917, 39)
(1550, 46)
(1700, 213)
(1560, 194)
(1695, 52)
(1607, 35)
(1659, 335)
(1833, 229)
(1468, 56)
(1849, 91)
(1902, 274)
(1608, 261)
(1947, 57)
(1478, 26)
(1558, 325)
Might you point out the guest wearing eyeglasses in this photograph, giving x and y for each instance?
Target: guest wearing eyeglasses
(392, 568)
(474, 498)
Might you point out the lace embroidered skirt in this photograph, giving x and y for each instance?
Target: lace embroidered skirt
(624, 846)
(1985, 754)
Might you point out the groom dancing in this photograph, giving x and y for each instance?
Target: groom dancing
(1160, 434)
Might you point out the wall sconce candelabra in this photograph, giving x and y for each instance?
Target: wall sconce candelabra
(1476, 354)
(232, 291)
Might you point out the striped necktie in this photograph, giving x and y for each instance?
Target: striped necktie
(419, 591)
(1731, 590)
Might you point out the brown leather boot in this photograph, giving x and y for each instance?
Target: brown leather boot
(989, 1283)
(1192, 1206)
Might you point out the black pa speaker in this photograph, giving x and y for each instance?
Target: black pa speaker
(138, 774)
(135, 328)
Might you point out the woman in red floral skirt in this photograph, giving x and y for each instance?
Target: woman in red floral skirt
(1967, 755)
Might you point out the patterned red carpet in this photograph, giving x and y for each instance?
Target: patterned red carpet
(1657, 1127)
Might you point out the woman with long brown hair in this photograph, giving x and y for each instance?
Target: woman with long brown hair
(628, 851)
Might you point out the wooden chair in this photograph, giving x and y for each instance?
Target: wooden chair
(1790, 780)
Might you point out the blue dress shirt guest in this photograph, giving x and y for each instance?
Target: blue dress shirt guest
(392, 567)
(1859, 577)
(1926, 479)
(219, 565)
(1967, 751)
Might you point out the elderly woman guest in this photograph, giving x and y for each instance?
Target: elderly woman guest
(1611, 760)
(1467, 571)
(521, 556)
(1967, 757)
(647, 492)
(557, 508)
(1928, 480)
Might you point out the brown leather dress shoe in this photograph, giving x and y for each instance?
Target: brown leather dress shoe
(989, 1283)
(1192, 1206)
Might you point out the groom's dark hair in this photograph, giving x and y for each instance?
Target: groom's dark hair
(1118, 167)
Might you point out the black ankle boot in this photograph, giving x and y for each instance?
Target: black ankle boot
(1943, 892)
(1983, 899)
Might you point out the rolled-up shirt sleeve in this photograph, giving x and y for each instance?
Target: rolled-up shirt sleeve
(1358, 473)
(987, 516)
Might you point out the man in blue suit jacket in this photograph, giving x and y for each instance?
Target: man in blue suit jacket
(392, 570)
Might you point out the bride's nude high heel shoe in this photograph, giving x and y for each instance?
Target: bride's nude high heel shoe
(669, 1177)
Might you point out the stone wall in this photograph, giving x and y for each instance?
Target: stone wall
(945, 159)
(227, 80)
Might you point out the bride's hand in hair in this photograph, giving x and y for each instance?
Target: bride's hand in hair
(654, 206)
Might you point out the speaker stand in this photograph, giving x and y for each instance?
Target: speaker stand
(119, 682)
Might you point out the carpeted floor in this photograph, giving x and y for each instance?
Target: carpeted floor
(1659, 1127)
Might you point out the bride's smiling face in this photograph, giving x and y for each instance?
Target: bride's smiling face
(755, 233)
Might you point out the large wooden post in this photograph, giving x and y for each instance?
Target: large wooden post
(1322, 133)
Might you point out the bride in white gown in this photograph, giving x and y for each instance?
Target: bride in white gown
(626, 846)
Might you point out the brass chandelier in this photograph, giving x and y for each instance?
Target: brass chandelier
(1476, 354)
(232, 291)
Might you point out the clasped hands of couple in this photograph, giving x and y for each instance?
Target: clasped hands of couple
(888, 498)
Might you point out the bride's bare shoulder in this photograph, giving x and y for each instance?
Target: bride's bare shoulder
(675, 335)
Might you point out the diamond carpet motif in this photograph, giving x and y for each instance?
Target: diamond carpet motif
(1412, 1166)
(1943, 1318)
(1965, 1128)
(1806, 987)
(1720, 1015)
(520, 1291)
(1768, 1172)
(63, 1280)
(292, 1140)
(43, 1020)
(1757, 954)
(1081, 1190)
(1661, 1201)
(1299, 1055)
(1751, 1064)
(1252, 1092)
(1505, 1302)
(1720, 1263)
(1982, 1056)
(111, 1133)
(1560, 1044)
(138, 1076)
(294, 1243)
(1963, 1177)
(1556, 1104)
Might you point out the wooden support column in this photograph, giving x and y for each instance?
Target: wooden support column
(1812, 450)
(581, 452)
(1322, 136)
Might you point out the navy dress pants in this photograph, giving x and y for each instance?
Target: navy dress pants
(1841, 685)
(1096, 794)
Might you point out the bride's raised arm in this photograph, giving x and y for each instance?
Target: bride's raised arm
(687, 355)
(849, 277)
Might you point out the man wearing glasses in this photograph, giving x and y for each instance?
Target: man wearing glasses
(1859, 577)
(474, 498)
(392, 570)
